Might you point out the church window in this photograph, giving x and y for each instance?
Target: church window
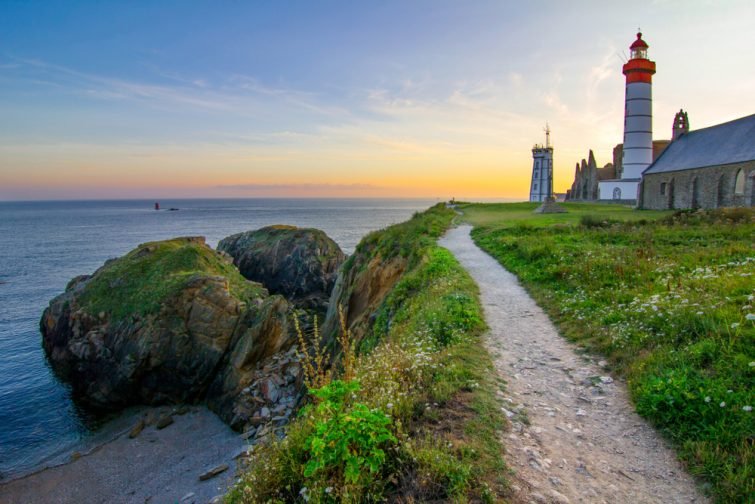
(663, 188)
(616, 193)
(536, 187)
(739, 183)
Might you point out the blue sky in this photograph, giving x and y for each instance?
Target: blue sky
(426, 98)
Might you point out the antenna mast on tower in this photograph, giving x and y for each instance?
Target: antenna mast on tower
(547, 136)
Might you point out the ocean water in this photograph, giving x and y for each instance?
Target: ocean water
(45, 244)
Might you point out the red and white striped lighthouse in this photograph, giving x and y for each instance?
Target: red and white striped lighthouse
(638, 111)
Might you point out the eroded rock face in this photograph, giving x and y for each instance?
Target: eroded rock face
(362, 286)
(170, 322)
(300, 264)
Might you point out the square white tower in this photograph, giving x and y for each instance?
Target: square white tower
(541, 187)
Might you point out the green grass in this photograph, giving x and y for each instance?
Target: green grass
(666, 301)
(424, 365)
(138, 283)
(498, 215)
(408, 239)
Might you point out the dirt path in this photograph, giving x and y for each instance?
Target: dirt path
(575, 435)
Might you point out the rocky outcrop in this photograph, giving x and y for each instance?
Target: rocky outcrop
(365, 280)
(300, 264)
(170, 322)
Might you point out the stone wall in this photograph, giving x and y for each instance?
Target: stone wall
(709, 187)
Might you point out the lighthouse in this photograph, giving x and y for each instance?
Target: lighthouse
(638, 125)
(638, 111)
(541, 185)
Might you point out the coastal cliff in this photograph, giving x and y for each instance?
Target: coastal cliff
(170, 322)
(176, 322)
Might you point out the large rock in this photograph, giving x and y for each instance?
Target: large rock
(300, 264)
(362, 286)
(170, 322)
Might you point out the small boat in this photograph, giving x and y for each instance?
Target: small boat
(171, 209)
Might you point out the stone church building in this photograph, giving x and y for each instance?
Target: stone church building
(706, 168)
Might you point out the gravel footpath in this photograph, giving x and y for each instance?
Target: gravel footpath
(157, 466)
(575, 436)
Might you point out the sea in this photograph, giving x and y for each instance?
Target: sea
(45, 244)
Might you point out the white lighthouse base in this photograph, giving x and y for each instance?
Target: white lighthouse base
(618, 190)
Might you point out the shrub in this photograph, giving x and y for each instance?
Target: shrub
(346, 447)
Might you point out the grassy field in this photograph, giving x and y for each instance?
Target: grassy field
(415, 419)
(497, 215)
(668, 299)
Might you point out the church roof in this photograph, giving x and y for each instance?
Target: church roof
(731, 142)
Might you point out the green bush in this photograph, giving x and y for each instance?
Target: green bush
(346, 448)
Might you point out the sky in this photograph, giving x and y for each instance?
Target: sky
(408, 98)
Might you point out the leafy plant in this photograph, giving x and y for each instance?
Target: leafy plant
(347, 446)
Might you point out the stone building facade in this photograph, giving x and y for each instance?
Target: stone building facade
(707, 168)
(709, 187)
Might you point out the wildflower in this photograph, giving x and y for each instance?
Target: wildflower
(747, 408)
(750, 316)
(699, 313)
(707, 398)
(389, 405)
(328, 490)
(735, 325)
(752, 364)
(723, 404)
(304, 492)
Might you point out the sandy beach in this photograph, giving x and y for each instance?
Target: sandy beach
(156, 466)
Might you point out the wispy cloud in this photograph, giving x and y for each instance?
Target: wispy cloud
(236, 95)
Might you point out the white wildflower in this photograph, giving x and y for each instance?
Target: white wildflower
(747, 408)
(723, 404)
(707, 398)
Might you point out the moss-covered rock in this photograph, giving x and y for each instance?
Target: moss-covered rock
(164, 324)
(298, 263)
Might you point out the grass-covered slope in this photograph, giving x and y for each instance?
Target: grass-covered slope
(421, 373)
(670, 303)
(137, 283)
